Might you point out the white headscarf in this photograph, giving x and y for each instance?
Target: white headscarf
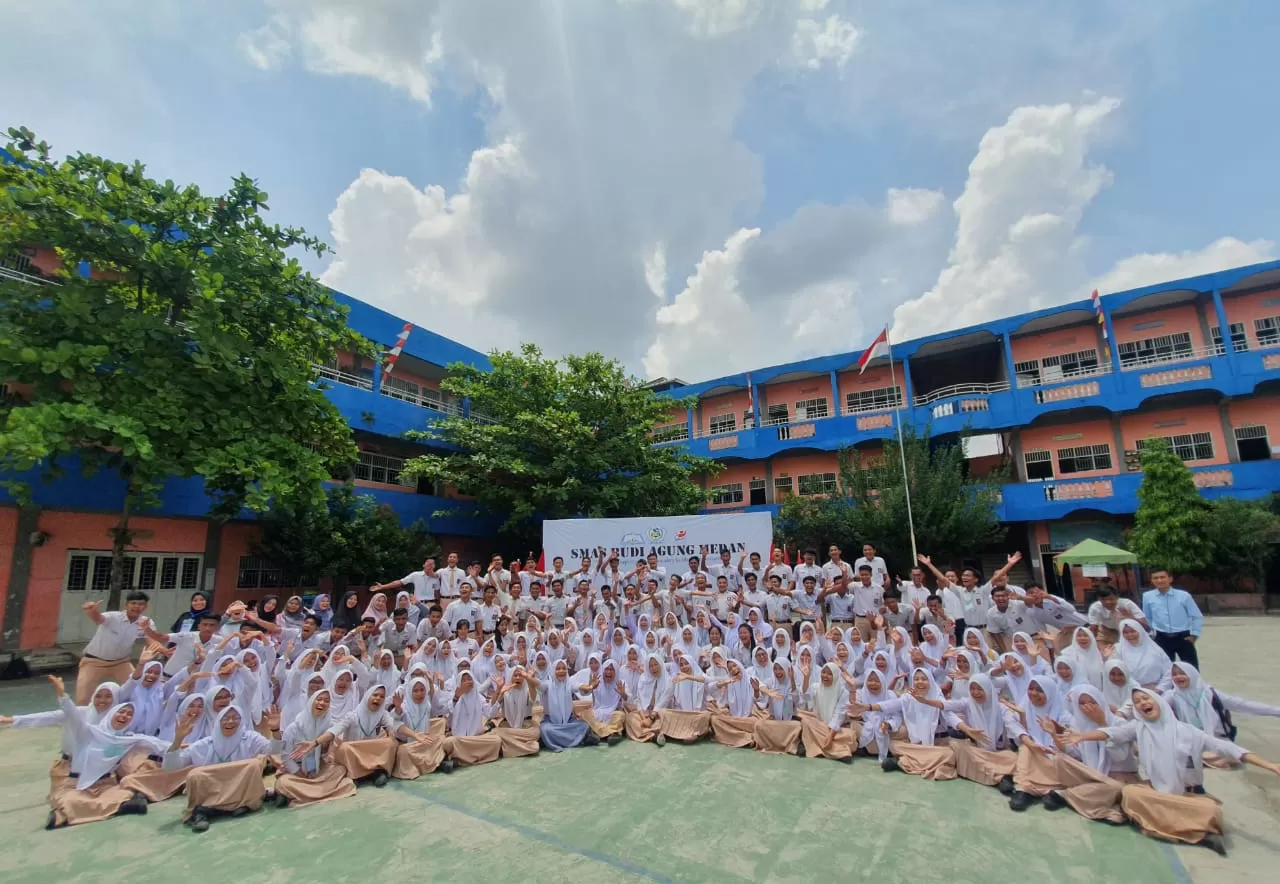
(1093, 753)
(781, 642)
(987, 716)
(100, 747)
(218, 748)
(198, 731)
(366, 720)
(984, 653)
(308, 727)
(1194, 703)
(829, 698)
(739, 695)
(1086, 662)
(515, 702)
(605, 699)
(690, 696)
(342, 705)
(761, 671)
(1016, 685)
(468, 713)
(1167, 746)
(653, 692)
(557, 698)
(1052, 709)
(1119, 696)
(921, 719)
(147, 701)
(1148, 663)
(413, 715)
(389, 678)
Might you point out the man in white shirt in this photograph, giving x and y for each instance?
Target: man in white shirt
(184, 652)
(462, 608)
(841, 604)
(688, 578)
(451, 578)
(753, 594)
(433, 625)
(807, 567)
(755, 568)
(780, 603)
(780, 568)
(1106, 613)
(497, 576)
(867, 597)
(1006, 616)
(806, 604)
(879, 570)
(1053, 616)
(423, 585)
(396, 634)
(915, 591)
(490, 612)
(723, 568)
(835, 567)
(557, 603)
(107, 656)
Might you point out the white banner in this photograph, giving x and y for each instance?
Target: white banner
(673, 539)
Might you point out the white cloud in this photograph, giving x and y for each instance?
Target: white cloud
(655, 270)
(266, 48)
(715, 18)
(1149, 269)
(832, 40)
(913, 205)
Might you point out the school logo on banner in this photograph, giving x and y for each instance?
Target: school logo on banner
(656, 533)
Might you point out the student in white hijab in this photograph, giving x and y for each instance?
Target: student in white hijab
(420, 748)
(344, 696)
(1034, 723)
(877, 724)
(561, 728)
(652, 694)
(1201, 705)
(1010, 675)
(732, 723)
(310, 775)
(1148, 664)
(1172, 755)
(921, 707)
(147, 691)
(513, 706)
(1117, 688)
(983, 756)
(1085, 657)
(106, 696)
(469, 741)
(778, 732)
(826, 701)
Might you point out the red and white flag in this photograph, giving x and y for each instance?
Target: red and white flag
(879, 347)
(394, 353)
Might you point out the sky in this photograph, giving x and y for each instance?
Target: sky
(694, 187)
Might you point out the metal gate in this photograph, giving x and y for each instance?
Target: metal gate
(168, 578)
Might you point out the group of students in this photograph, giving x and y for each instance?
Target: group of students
(1088, 716)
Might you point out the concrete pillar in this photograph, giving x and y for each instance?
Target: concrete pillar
(835, 394)
(755, 404)
(1009, 373)
(1204, 327)
(1015, 448)
(377, 375)
(1220, 309)
(1116, 432)
(1228, 433)
(212, 551)
(768, 482)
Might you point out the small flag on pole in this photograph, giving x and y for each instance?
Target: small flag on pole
(394, 353)
(1097, 310)
(879, 347)
(751, 400)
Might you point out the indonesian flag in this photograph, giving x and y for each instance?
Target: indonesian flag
(394, 353)
(879, 347)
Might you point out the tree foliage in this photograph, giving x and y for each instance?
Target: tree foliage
(1242, 536)
(1170, 526)
(346, 536)
(954, 513)
(564, 438)
(189, 351)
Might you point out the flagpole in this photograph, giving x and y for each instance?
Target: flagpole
(902, 453)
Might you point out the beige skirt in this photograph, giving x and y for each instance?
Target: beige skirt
(641, 730)
(1037, 773)
(1000, 643)
(329, 783)
(820, 741)
(1185, 818)
(1093, 795)
(474, 750)
(777, 737)
(101, 801)
(931, 762)
(229, 786)
(730, 730)
(604, 729)
(155, 782)
(983, 766)
(439, 727)
(518, 742)
(92, 673)
(59, 774)
(414, 759)
(363, 758)
(677, 724)
(136, 760)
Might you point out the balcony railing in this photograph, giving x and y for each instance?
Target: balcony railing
(961, 390)
(330, 373)
(423, 400)
(869, 409)
(1185, 354)
(30, 279)
(1065, 377)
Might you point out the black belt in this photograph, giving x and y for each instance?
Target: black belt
(1186, 633)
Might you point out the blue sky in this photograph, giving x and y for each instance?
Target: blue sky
(693, 186)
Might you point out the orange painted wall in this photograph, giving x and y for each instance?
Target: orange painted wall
(1247, 308)
(728, 403)
(1179, 318)
(1038, 345)
(790, 392)
(405, 375)
(1198, 419)
(874, 379)
(1261, 411)
(735, 473)
(804, 464)
(237, 541)
(69, 531)
(8, 539)
(1094, 432)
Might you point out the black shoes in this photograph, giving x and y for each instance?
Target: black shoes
(1020, 801)
(199, 821)
(848, 759)
(282, 800)
(1214, 843)
(447, 766)
(1054, 801)
(800, 753)
(135, 805)
(614, 739)
(591, 739)
(380, 779)
(1005, 785)
(660, 740)
(889, 765)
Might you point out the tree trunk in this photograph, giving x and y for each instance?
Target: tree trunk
(121, 536)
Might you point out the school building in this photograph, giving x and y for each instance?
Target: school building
(1066, 401)
(55, 555)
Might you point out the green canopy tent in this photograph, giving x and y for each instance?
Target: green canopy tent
(1093, 552)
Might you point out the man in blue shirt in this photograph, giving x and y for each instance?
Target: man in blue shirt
(1174, 617)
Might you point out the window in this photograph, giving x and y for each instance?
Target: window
(255, 572)
(880, 399)
(748, 419)
(90, 571)
(818, 483)
(1164, 348)
(809, 409)
(1239, 340)
(1084, 458)
(777, 414)
(724, 423)
(757, 492)
(1267, 331)
(1252, 443)
(1027, 373)
(731, 493)
(380, 468)
(1188, 446)
(671, 432)
(1069, 365)
(399, 388)
(1039, 465)
(782, 487)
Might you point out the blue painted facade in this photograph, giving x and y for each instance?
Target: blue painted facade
(1004, 406)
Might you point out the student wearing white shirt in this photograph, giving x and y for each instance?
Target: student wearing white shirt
(107, 655)
(424, 585)
(879, 570)
(782, 569)
(184, 653)
(1057, 617)
(490, 612)
(497, 576)
(755, 568)
(462, 608)
(1006, 616)
(557, 603)
(396, 633)
(867, 596)
(808, 566)
(835, 567)
(451, 578)
(915, 591)
(688, 578)
(780, 603)
(1106, 613)
(753, 594)
(723, 568)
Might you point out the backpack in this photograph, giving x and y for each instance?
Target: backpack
(1224, 714)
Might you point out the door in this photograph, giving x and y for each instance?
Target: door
(168, 578)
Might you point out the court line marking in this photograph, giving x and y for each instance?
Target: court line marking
(537, 835)
(1179, 870)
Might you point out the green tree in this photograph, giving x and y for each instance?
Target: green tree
(189, 352)
(347, 536)
(558, 439)
(1170, 526)
(1242, 535)
(954, 513)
